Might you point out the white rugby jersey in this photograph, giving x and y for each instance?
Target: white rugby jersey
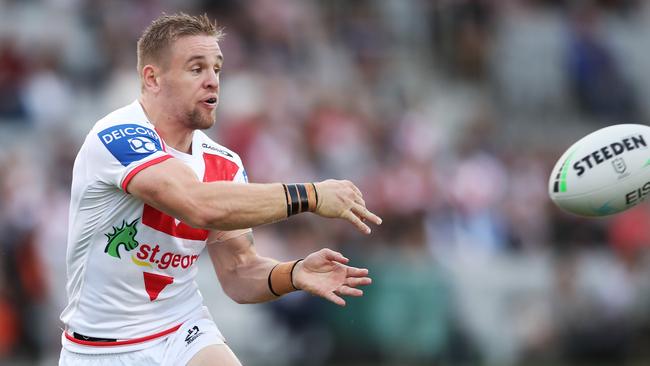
(130, 267)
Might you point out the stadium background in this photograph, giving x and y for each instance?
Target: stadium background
(449, 116)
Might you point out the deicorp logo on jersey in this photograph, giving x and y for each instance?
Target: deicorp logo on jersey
(130, 142)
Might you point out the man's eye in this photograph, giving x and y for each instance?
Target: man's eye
(196, 70)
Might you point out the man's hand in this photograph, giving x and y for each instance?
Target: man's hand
(342, 199)
(325, 273)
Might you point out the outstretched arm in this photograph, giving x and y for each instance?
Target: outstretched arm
(173, 188)
(244, 275)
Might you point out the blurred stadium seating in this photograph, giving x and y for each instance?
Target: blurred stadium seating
(447, 113)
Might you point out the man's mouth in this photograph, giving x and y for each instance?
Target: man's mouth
(211, 102)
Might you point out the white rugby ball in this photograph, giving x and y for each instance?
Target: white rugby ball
(605, 172)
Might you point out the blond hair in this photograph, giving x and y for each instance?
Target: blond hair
(162, 32)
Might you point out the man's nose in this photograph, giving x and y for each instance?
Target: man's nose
(212, 81)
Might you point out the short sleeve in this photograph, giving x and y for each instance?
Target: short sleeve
(118, 152)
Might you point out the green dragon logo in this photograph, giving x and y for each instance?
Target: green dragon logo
(124, 235)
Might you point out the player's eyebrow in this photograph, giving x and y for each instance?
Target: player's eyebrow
(202, 58)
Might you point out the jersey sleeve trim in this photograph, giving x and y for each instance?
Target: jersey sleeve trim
(139, 168)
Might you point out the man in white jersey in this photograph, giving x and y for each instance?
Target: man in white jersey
(150, 191)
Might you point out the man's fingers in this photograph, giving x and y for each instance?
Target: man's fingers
(360, 281)
(364, 214)
(332, 255)
(331, 296)
(349, 291)
(356, 221)
(356, 272)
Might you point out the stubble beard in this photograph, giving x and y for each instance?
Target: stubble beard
(200, 121)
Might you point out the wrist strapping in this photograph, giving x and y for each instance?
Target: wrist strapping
(300, 198)
(280, 278)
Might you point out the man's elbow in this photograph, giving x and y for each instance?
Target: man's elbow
(203, 217)
(238, 297)
(243, 301)
(238, 293)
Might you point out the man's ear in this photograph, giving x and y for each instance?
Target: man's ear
(151, 78)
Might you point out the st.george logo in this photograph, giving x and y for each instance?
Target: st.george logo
(123, 236)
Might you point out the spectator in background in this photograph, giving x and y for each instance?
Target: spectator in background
(596, 77)
(12, 73)
(403, 77)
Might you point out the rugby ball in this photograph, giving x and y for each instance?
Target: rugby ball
(605, 172)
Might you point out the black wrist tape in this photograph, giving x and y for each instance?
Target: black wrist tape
(304, 200)
(316, 195)
(295, 199)
(286, 197)
(298, 198)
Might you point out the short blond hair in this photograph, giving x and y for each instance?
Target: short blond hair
(166, 29)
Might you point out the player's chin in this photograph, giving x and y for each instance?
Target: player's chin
(206, 123)
(202, 120)
(209, 110)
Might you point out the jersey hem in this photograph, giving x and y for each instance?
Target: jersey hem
(122, 342)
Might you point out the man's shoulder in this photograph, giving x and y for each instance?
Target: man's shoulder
(209, 146)
(221, 163)
(130, 114)
(125, 133)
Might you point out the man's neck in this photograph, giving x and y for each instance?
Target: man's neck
(172, 131)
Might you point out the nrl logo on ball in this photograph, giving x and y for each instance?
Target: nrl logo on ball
(619, 166)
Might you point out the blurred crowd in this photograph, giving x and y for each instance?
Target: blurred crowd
(448, 114)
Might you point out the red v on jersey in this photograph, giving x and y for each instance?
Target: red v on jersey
(154, 283)
(168, 225)
(216, 168)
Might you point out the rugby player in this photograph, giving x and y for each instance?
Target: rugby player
(150, 191)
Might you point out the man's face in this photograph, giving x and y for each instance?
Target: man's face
(190, 80)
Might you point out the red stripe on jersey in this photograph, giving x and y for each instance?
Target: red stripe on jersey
(218, 168)
(122, 343)
(135, 171)
(164, 223)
